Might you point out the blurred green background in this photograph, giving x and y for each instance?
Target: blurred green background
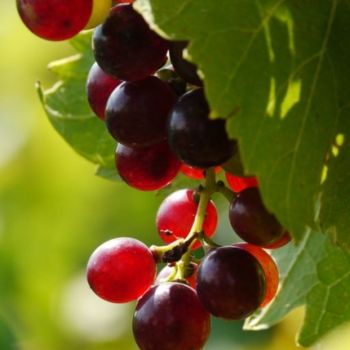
(54, 212)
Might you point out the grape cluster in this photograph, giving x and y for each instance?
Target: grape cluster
(155, 108)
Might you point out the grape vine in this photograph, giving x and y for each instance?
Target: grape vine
(286, 104)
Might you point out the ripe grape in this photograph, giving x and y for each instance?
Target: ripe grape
(149, 168)
(99, 87)
(170, 317)
(197, 140)
(251, 220)
(167, 270)
(195, 173)
(55, 19)
(239, 184)
(136, 112)
(125, 47)
(100, 11)
(121, 270)
(185, 69)
(230, 283)
(269, 267)
(176, 215)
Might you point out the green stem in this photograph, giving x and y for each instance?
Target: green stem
(196, 231)
(225, 191)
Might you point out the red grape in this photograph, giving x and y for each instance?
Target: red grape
(251, 220)
(137, 112)
(269, 267)
(149, 168)
(230, 283)
(176, 215)
(121, 270)
(170, 317)
(239, 184)
(55, 19)
(125, 47)
(99, 87)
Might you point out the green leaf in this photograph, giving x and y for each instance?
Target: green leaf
(67, 108)
(277, 69)
(315, 273)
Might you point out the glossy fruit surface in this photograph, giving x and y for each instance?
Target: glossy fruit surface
(197, 140)
(251, 220)
(99, 87)
(176, 215)
(137, 112)
(125, 47)
(270, 269)
(121, 270)
(55, 19)
(149, 168)
(230, 283)
(186, 70)
(239, 183)
(170, 317)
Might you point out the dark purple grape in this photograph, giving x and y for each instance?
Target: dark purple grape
(149, 168)
(136, 112)
(197, 140)
(55, 19)
(230, 283)
(251, 220)
(185, 69)
(99, 87)
(125, 47)
(170, 317)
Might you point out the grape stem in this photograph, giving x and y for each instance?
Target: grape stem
(180, 251)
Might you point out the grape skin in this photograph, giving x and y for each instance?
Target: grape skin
(230, 283)
(125, 47)
(136, 112)
(121, 270)
(99, 87)
(147, 169)
(197, 140)
(55, 19)
(251, 220)
(170, 317)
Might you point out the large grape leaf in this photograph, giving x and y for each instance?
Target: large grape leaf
(278, 70)
(315, 273)
(67, 108)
